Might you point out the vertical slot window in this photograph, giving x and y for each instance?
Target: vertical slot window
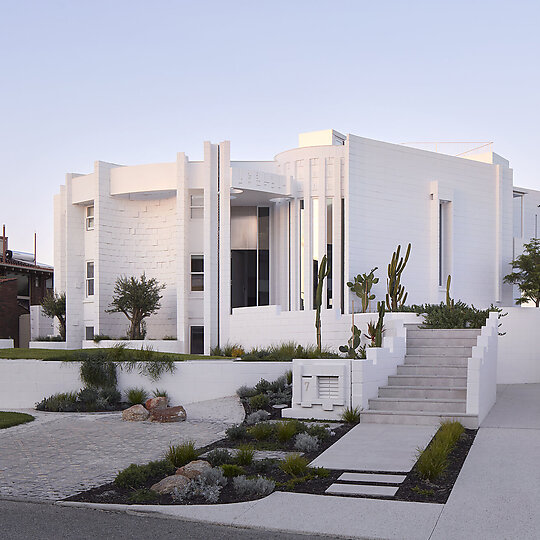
(342, 261)
(315, 245)
(263, 255)
(89, 279)
(197, 206)
(445, 235)
(329, 244)
(196, 341)
(90, 218)
(197, 273)
(302, 221)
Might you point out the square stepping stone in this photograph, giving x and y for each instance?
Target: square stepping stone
(356, 489)
(370, 477)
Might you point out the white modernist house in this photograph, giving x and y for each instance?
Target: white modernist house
(238, 243)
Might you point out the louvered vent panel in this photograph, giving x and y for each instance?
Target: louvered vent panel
(328, 387)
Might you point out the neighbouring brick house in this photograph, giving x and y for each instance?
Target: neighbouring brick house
(23, 283)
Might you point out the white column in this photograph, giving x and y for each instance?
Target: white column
(224, 289)
(182, 269)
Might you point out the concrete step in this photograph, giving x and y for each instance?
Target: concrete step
(361, 489)
(446, 350)
(411, 369)
(427, 380)
(410, 404)
(442, 334)
(422, 392)
(418, 360)
(372, 478)
(422, 418)
(440, 342)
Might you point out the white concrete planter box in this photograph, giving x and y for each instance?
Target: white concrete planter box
(59, 345)
(158, 345)
(6, 344)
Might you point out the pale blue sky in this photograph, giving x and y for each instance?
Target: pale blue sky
(136, 81)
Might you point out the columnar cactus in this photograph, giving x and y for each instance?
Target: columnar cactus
(324, 270)
(396, 295)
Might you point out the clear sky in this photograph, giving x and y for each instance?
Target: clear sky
(136, 81)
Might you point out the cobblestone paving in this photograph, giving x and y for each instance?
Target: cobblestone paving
(60, 454)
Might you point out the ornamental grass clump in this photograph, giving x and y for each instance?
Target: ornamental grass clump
(136, 396)
(245, 454)
(260, 401)
(294, 465)
(351, 415)
(230, 470)
(135, 476)
(262, 431)
(181, 454)
(219, 456)
(285, 431)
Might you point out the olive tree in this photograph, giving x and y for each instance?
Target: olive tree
(54, 305)
(526, 274)
(136, 298)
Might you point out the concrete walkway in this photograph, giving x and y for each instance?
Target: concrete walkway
(60, 454)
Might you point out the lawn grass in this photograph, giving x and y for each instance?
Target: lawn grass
(56, 354)
(10, 419)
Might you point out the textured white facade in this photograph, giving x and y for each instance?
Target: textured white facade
(351, 198)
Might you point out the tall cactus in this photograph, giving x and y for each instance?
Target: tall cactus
(449, 300)
(324, 270)
(375, 330)
(396, 295)
(362, 288)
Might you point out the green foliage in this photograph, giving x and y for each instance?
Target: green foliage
(423, 492)
(353, 349)
(147, 362)
(321, 472)
(143, 495)
(61, 402)
(376, 330)
(318, 431)
(253, 487)
(181, 454)
(97, 371)
(285, 431)
(161, 393)
(246, 392)
(459, 315)
(262, 431)
(219, 456)
(245, 454)
(263, 466)
(260, 401)
(54, 305)
(87, 399)
(433, 460)
(288, 375)
(285, 352)
(449, 300)
(526, 273)
(324, 270)
(237, 432)
(294, 465)
(49, 338)
(229, 350)
(137, 299)
(351, 415)
(396, 295)
(136, 476)
(136, 396)
(230, 470)
(10, 419)
(362, 288)
(100, 337)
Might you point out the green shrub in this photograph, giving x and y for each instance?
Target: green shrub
(219, 456)
(88, 396)
(245, 454)
(62, 402)
(98, 372)
(263, 386)
(143, 495)
(136, 396)
(246, 392)
(351, 415)
(264, 466)
(318, 431)
(285, 431)
(260, 401)
(289, 376)
(111, 396)
(100, 337)
(230, 470)
(253, 487)
(321, 472)
(294, 465)
(135, 476)
(181, 454)
(237, 432)
(262, 431)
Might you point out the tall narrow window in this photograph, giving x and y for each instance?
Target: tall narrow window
(342, 261)
(263, 248)
(315, 245)
(329, 243)
(90, 218)
(197, 206)
(90, 278)
(197, 273)
(302, 252)
(196, 341)
(445, 239)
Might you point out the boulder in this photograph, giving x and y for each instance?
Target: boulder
(170, 414)
(194, 469)
(156, 403)
(137, 413)
(169, 483)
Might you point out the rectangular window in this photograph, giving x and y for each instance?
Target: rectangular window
(89, 333)
(196, 340)
(315, 245)
(302, 252)
(89, 218)
(197, 273)
(342, 261)
(197, 206)
(90, 278)
(329, 244)
(445, 239)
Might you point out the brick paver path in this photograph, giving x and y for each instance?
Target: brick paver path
(60, 454)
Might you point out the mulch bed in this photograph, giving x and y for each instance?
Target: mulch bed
(415, 488)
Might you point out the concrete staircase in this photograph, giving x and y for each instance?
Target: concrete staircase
(431, 385)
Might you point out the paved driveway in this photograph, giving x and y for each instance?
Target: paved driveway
(60, 454)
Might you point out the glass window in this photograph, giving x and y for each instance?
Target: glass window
(197, 273)
(315, 245)
(197, 206)
(302, 252)
(196, 340)
(329, 245)
(90, 278)
(89, 218)
(263, 245)
(89, 333)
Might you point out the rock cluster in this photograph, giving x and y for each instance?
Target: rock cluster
(156, 410)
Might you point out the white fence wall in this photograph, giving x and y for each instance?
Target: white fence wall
(6, 344)
(40, 324)
(519, 349)
(23, 383)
